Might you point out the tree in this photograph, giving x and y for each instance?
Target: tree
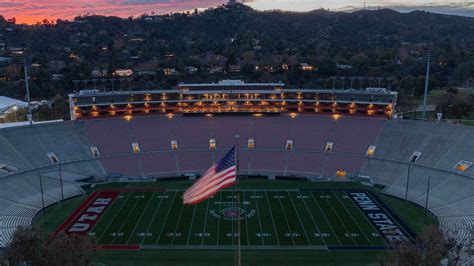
(30, 246)
(434, 245)
(3, 260)
(429, 249)
(61, 249)
(25, 246)
(454, 105)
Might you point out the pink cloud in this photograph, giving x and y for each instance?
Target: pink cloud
(32, 11)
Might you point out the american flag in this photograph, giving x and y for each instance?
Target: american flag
(221, 175)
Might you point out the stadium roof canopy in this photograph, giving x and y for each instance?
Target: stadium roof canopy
(7, 103)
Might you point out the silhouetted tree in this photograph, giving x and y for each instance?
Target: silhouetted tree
(30, 246)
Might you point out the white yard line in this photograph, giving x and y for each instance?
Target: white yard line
(313, 220)
(139, 219)
(355, 221)
(286, 219)
(260, 222)
(115, 216)
(219, 221)
(325, 218)
(191, 225)
(128, 216)
(153, 218)
(177, 223)
(299, 218)
(338, 217)
(271, 215)
(205, 223)
(246, 224)
(166, 219)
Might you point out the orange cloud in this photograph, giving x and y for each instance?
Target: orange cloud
(32, 11)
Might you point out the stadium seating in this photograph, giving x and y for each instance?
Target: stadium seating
(442, 146)
(153, 134)
(25, 149)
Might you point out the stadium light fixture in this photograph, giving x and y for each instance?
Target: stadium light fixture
(328, 147)
(289, 144)
(341, 173)
(462, 166)
(371, 150)
(135, 147)
(251, 144)
(212, 144)
(174, 145)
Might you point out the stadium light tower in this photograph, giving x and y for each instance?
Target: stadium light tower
(408, 181)
(427, 198)
(42, 196)
(28, 98)
(25, 61)
(427, 77)
(61, 179)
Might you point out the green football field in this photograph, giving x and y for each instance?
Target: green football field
(324, 219)
(282, 222)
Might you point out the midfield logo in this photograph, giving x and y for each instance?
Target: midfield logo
(232, 212)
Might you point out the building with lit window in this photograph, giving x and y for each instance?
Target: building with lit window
(233, 96)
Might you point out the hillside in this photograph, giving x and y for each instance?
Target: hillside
(374, 43)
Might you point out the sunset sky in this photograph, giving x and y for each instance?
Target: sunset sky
(31, 11)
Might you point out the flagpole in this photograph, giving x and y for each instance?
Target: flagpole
(239, 259)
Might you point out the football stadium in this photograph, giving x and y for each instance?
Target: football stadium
(320, 174)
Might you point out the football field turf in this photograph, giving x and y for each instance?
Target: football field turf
(326, 219)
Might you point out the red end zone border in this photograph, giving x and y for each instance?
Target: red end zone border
(83, 219)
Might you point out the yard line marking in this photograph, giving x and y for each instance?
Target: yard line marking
(205, 223)
(166, 218)
(271, 215)
(260, 222)
(246, 223)
(325, 218)
(344, 206)
(343, 224)
(128, 216)
(219, 220)
(286, 220)
(177, 223)
(312, 218)
(115, 216)
(298, 215)
(153, 218)
(191, 225)
(139, 219)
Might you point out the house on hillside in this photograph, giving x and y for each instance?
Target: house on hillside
(123, 73)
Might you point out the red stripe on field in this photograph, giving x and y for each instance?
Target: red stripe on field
(84, 216)
(113, 193)
(76, 212)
